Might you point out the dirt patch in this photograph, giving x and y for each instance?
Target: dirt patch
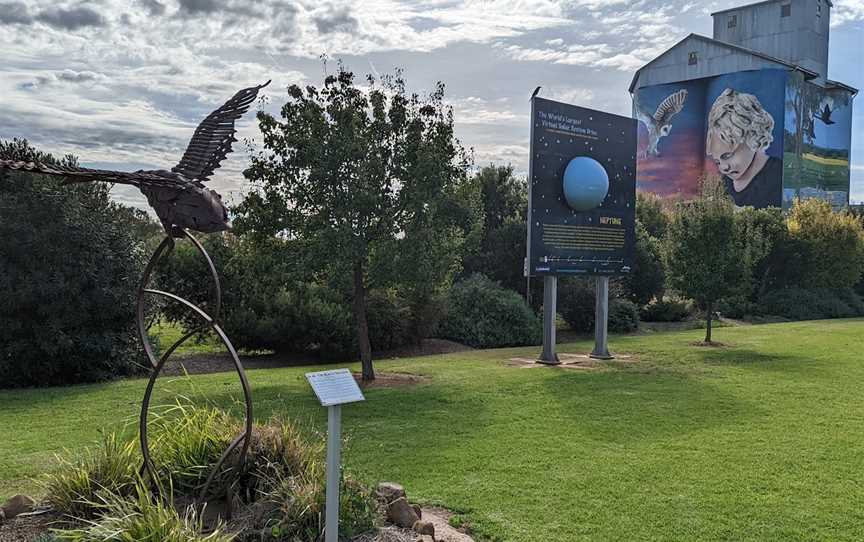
(573, 361)
(444, 532)
(389, 380)
(222, 362)
(28, 527)
(438, 517)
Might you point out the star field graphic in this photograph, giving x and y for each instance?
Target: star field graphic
(597, 240)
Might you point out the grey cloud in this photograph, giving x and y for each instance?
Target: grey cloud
(68, 76)
(71, 19)
(153, 7)
(15, 13)
(195, 8)
(78, 77)
(335, 20)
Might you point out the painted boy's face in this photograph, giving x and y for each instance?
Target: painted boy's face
(732, 161)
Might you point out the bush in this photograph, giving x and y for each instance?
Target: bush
(652, 214)
(645, 281)
(143, 518)
(666, 310)
(815, 304)
(69, 271)
(738, 306)
(577, 305)
(78, 487)
(482, 314)
(281, 490)
(269, 305)
(623, 316)
(831, 245)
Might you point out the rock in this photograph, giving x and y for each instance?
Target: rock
(424, 538)
(389, 492)
(2, 516)
(424, 527)
(17, 505)
(418, 511)
(400, 513)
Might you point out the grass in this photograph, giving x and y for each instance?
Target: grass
(167, 334)
(759, 440)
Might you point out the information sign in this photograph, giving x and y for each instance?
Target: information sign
(335, 387)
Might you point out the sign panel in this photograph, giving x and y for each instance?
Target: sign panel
(582, 193)
(335, 387)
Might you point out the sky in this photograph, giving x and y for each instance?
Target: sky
(123, 83)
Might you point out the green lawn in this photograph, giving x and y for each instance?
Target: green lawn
(761, 440)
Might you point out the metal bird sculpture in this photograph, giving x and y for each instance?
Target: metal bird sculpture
(178, 196)
(659, 123)
(182, 203)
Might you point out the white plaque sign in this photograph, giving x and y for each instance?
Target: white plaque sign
(335, 387)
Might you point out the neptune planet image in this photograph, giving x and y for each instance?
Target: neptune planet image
(586, 184)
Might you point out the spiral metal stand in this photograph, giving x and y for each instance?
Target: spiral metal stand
(207, 321)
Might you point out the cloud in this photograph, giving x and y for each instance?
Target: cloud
(847, 11)
(195, 8)
(15, 13)
(71, 19)
(335, 20)
(153, 7)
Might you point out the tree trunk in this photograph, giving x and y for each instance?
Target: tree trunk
(362, 323)
(710, 317)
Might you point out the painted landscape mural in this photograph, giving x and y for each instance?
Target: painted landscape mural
(770, 135)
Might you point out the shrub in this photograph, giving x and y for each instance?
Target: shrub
(623, 316)
(142, 518)
(78, 487)
(666, 310)
(268, 305)
(738, 306)
(802, 304)
(69, 270)
(645, 281)
(831, 244)
(577, 305)
(652, 214)
(482, 314)
(389, 319)
(281, 490)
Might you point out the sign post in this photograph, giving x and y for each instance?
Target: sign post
(550, 308)
(333, 389)
(601, 320)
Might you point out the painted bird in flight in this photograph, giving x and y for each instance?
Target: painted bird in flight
(659, 123)
(178, 196)
(825, 114)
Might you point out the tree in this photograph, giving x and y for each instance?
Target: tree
(651, 213)
(69, 269)
(702, 249)
(831, 243)
(501, 248)
(353, 171)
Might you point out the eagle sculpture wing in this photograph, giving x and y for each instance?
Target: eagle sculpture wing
(80, 175)
(213, 138)
(671, 106)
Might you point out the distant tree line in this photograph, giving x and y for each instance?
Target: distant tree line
(368, 229)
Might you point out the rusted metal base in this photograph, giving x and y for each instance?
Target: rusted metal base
(207, 321)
